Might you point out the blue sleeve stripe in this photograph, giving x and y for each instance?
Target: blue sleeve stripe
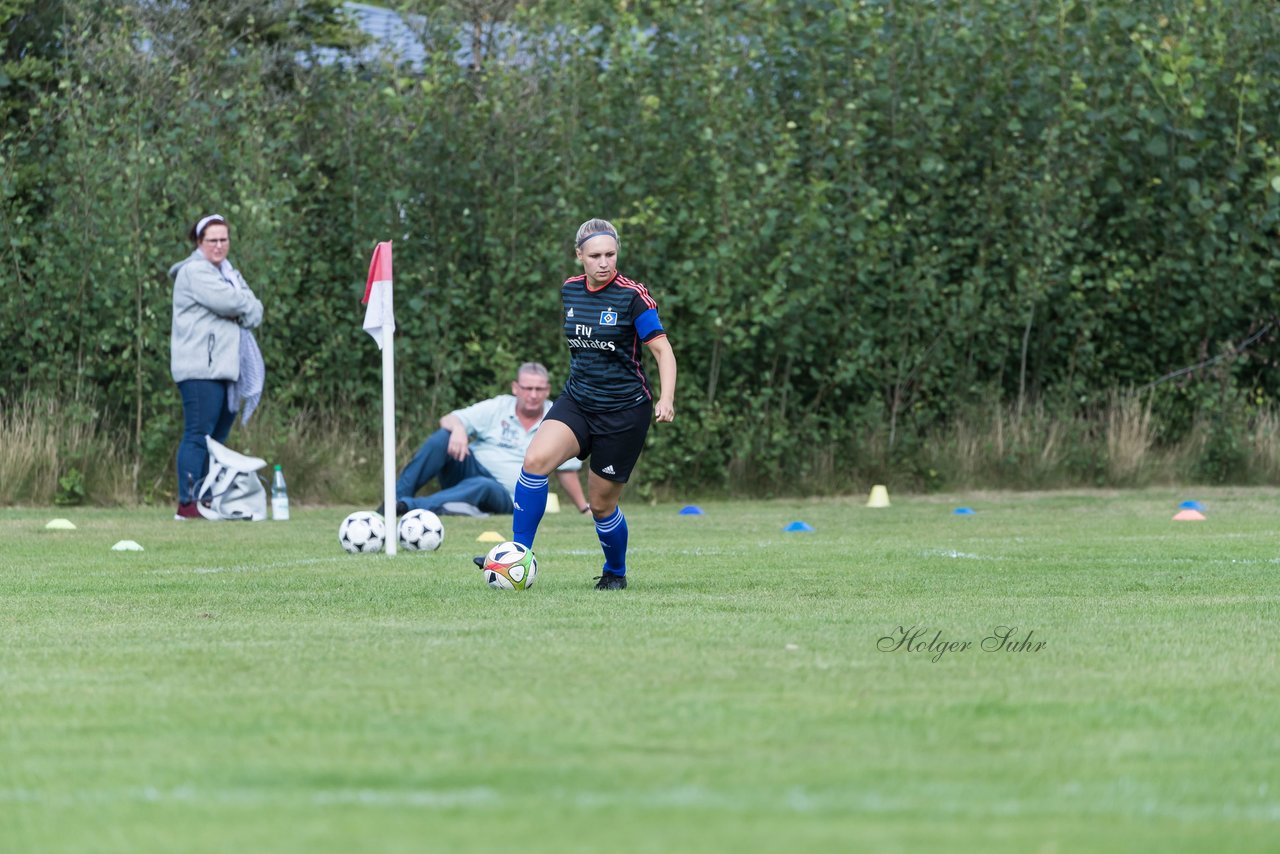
(648, 325)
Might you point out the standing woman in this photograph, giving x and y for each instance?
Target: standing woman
(607, 403)
(213, 356)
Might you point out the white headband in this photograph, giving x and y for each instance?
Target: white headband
(210, 218)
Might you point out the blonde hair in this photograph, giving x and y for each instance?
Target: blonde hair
(594, 228)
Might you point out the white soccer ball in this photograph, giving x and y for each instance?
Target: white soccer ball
(421, 531)
(510, 566)
(362, 531)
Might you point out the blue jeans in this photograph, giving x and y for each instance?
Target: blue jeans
(459, 481)
(204, 413)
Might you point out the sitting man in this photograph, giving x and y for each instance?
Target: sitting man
(477, 453)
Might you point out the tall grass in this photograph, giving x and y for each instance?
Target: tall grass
(47, 447)
(1264, 447)
(1117, 445)
(336, 457)
(1130, 438)
(327, 457)
(1009, 446)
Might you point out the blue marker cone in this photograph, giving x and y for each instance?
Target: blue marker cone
(798, 526)
(964, 511)
(691, 510)
(1192, 505)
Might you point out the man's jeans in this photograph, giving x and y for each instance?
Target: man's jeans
(465, 481)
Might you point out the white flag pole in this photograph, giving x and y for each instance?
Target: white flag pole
(389, 419)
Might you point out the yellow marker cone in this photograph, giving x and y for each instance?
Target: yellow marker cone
(60, 525)
(553, 503)
(879, 496)
(490, 537)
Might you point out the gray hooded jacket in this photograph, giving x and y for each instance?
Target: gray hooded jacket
(208, 311)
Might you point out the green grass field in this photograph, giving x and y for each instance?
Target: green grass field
(251, 687)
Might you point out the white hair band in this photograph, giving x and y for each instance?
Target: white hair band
(210, 218)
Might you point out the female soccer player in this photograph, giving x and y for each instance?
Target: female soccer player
(607, 402)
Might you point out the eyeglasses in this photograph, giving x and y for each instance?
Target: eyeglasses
(534, 388)
(216, 240)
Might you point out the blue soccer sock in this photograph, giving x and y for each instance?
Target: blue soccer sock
(531, 503)
(612, 531)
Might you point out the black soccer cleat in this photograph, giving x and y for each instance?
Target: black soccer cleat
(609, 581)
(478, 560)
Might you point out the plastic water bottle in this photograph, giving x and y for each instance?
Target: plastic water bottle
(279, 497)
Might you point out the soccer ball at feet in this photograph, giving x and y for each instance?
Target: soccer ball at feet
(421, 531)
(510, 566)
(362, 531)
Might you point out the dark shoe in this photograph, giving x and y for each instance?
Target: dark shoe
(478, 560)
(401, 508)
(609, 581)
(187, 511)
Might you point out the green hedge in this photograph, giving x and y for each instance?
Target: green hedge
(858, 218)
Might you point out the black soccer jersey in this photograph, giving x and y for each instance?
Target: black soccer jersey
(604, 330)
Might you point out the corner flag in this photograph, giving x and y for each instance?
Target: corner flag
(380, 322)
(378, 314)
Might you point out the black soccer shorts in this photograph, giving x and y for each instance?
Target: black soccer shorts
(613, 440)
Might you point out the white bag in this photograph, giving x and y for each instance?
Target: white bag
(231, 490)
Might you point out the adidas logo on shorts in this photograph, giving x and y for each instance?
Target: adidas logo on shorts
(608, 470)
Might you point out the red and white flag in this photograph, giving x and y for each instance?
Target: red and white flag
(378, 314)
(380, 322)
